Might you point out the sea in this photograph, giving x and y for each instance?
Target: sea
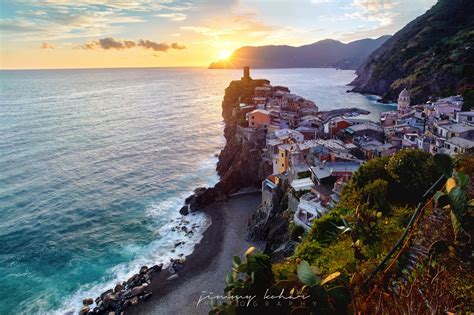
(95, 165)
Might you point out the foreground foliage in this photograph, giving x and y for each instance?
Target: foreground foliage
(347, 244)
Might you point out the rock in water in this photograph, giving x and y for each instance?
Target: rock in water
(88, 301)
(143, 270)
(184, 210)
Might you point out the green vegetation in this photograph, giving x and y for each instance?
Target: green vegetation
(296, 231)
(432, 55)
(256, 287)
(347, 243)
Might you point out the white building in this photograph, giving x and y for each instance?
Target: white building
(457, 145)
(309, 208)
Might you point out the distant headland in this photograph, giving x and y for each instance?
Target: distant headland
(326, 53)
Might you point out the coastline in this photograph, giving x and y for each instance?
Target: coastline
(205, 268)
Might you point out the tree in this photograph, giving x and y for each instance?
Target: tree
(413, 171)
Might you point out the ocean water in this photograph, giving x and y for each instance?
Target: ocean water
(95, 164)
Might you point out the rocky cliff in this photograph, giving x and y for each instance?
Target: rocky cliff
(240, 163)
(432, 55)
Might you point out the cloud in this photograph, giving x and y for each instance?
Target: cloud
(63, 19)
(111, 43)
(47, 46)
(176, 17)
(375, 5)
(148, 44)
(177, 46)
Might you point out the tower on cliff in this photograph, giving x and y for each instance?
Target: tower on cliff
(246, 76)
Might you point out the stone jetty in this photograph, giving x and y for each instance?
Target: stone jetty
(124, 295)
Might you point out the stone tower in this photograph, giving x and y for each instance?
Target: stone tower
(246, 76)
(404, 102)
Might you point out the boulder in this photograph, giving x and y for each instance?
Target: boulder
(132, 278)
(88, 301)
(118, 288)
(184, 210)
(106, 293)
(201, 198)
(84, 310)
(138, 290)
(143, 270)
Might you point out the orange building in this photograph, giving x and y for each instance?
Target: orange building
(259, 118)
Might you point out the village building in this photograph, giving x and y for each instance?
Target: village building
(457, 145)
(309, 208)
(450, 130)
(259, 118)
(464, 117)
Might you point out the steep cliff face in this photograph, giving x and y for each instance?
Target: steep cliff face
(240, 164)
(271, 225)
(433, 55)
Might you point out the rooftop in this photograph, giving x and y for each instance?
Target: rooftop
(364, 126)
(469, 114)
(461, 142)
(302, 184)
(457, 127)
(261, 111)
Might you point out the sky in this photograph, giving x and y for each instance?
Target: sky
(46, 34)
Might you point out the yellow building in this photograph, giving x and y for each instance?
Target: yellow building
(283, 154)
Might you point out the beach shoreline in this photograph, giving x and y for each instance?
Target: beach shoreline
(204, 269)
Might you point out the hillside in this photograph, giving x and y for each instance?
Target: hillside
(326, 53)
(432, 55)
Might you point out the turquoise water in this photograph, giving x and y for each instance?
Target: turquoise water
(94, 166)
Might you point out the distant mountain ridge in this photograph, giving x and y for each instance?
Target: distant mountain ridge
(432, 56)
(326, 53)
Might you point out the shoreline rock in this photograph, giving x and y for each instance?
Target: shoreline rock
(123, 295)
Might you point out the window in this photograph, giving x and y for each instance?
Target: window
(282, 164)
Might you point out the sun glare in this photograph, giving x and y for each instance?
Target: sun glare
(224, 54)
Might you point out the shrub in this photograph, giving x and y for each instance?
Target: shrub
(375, 193)
(296, 231)
(413, 171)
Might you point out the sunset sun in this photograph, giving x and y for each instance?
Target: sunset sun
(225, 54)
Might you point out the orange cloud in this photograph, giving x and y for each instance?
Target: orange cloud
(47, 46)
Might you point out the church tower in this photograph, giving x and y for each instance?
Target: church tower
(404, 102)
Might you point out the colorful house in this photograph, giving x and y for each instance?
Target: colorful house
(259, 118)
